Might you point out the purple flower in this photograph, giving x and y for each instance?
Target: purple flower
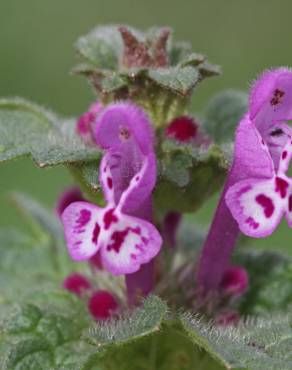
(127, 175)
(260, 139)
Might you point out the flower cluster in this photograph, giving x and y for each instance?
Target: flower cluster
(121, 236)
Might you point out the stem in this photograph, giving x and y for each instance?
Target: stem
(141, 283)
(219, 245)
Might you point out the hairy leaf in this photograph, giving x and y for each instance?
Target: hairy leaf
(256, 345)
(27, 129)
(223, 114)
(188, 176)
(143, 321)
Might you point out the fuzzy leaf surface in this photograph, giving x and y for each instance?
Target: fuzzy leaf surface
(223, 113)
(27, 129)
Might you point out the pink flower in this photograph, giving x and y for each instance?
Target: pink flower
(102, 305)
(127, 175)
(77, 284)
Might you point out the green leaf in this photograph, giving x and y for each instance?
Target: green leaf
(193, 59)
(223, 114)
(42, 338)
(180, 80)
(179, 51)
(41, 219)
(101, 47)
(269, 272)
(257, 345)
(142, 322)
(188, 176)
(27, 129)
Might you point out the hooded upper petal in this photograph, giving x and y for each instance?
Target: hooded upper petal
(252, 158)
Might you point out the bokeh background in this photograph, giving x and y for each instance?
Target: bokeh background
(37, 37)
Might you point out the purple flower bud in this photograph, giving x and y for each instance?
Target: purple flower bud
(186, 129)
(182, 129)
(77, 284)
(235, 281)
(170, 226)
(85, 123)
(102, 305)
(70, 195)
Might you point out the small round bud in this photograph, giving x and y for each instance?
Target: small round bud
(77, 284)
(102, 305)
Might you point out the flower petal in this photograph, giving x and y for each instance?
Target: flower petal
(122, 122)
(110, 176)
(82, 225)
(257, 205)
(288, 212)
(140, 187)
(271, 96)
(131, 242)
(251, 155)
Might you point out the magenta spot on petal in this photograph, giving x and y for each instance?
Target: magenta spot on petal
(277, 97)
(110, 182)
(266, 203)
(139, 247)
(250, 221)
(118, 238)
(84, 218)
(96, 232)
(133, 256)
(137, 178)
(263, 142)
(145, 240)
(290, 203)
(284, 154)
(109, 218)
(281, 186)
(124, 133)
(102, 304)
(243, 190)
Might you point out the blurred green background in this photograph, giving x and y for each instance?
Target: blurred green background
(37, 37)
